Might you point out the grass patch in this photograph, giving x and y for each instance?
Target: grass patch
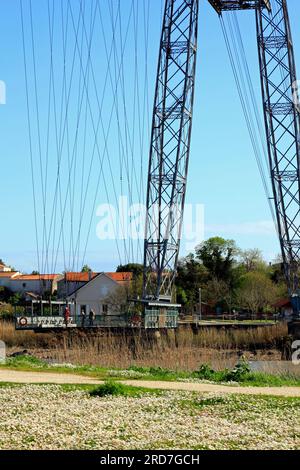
(240, 374)
(29, 363)
(159, 373)
(111, 388)
(230, 405)
(9, 384)
(65, 387)
(25, 361)
(105, 389)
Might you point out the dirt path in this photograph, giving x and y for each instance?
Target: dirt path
(204, 387)
(55, 378)
(37, 377)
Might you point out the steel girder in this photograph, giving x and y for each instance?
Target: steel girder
(282, 120)
(230, 5)
(170, 147)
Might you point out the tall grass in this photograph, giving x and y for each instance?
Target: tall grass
(23, 339)
(181, 350)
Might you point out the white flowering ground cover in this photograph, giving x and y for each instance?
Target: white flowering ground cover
(52, 417)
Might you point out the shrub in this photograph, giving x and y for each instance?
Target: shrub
(26, 361)
(205, 372)
(6, 312)
(5, 294)
(239, 373)
(111, 388)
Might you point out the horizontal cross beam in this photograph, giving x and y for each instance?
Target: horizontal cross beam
(230, 5)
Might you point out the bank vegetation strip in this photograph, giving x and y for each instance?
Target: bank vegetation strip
(23, 377)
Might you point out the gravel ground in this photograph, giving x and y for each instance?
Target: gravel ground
(49, 417)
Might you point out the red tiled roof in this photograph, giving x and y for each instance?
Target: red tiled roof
(120, 277)
(79, 277)
(85, 277)
(36, 277)
(8, 274)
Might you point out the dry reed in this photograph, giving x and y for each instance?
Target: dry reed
(181, 350)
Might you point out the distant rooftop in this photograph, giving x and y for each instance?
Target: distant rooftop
(86, 276)
(79, 277)
(9, 274)
(36, 277)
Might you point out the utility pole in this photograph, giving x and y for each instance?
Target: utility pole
(200, 304)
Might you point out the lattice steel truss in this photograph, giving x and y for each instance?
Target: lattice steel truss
(230, 5)
(282, 119)
(170, 147)
(171, 134)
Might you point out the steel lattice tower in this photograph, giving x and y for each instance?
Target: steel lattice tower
(282, 122)
(282, 119)
(170, 147)
(171, 135)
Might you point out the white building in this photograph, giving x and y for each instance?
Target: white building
(71, 281)
(6, 278)
(95, 293)
(37, 284)
(4, 268)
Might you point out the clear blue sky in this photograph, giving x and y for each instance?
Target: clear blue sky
(223, 173)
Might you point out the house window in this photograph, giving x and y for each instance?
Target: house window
(24, 284)
(105, 309)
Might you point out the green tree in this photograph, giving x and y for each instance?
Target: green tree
(277, 271)
(219, 292)
(86, 269)
(191, 275)
(182, 296)
(252, 260)
(218, 257)
(5, 294)
(134, 268)
(257, 292)
(135, 288)
(15, 299)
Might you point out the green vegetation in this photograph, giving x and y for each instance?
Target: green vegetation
(24, 361)
(229, 405)
(161, 374)
(109, 388)
(240, 374)
(6, 309)
(134, 268)
(29, 363)
(86, 269)
(230, 278)
(112, 388)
